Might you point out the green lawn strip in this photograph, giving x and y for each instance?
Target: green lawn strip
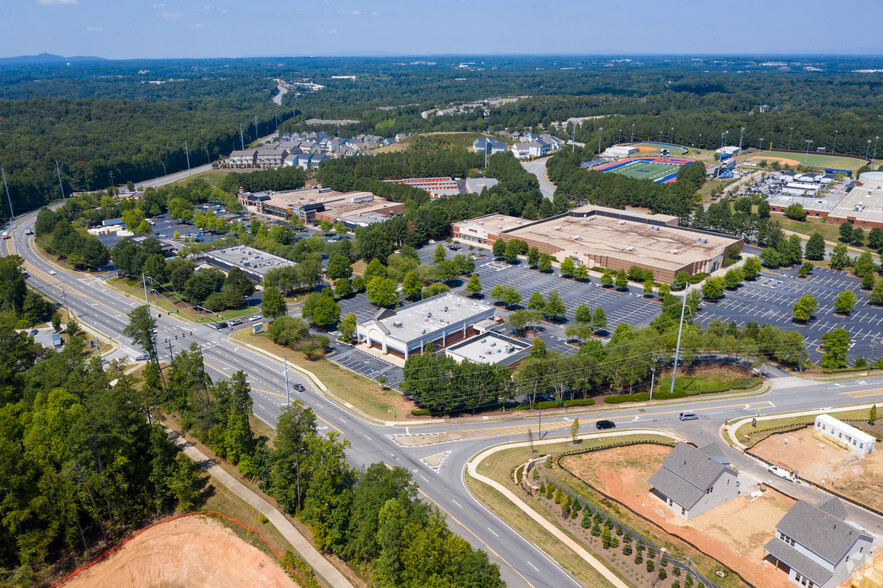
(362, 393)
(533, 532)
(212, 177)
(699, 385)
(134, 289)
(750, 435)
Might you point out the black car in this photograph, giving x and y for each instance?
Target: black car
(300, 388)
(220, 326)
(605, 425)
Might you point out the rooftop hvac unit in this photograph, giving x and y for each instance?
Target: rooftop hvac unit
(428, 315)
(481, 223)
(629, 248)
(501, 218)
(675, 251)
(423, 332)
(703, 239)
(654, 228)
(397, 324)
(519, 222)
(510, 349)
(622, 222)
(558, 228)
(499, 226)
(444, 309)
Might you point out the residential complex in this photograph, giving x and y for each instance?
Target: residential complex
(318, 204)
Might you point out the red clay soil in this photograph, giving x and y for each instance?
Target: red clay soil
(191, 551)
(733, 533)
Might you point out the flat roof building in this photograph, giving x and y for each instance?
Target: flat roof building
(319, 204)
(863, 206)
(441, 321)
(608, 238)
(254, 262)
(490, 348)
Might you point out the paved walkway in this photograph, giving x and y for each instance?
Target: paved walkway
(321, 566)
(552, 529)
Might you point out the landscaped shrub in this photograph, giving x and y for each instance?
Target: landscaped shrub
(627, 549)
(662, 574)
(420, 411)
(596, 530)
(638, 558)
(651, 565)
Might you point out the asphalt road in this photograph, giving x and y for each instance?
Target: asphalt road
(521, 563)
(537, 167)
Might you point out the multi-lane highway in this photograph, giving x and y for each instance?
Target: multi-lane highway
(520, 562)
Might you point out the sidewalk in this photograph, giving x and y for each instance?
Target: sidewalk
(321, 566)
(472, 468)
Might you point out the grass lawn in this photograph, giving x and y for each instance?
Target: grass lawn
(167, 304)
(815, 160)
(448, 140)
(360, 392)
(212, 177)
(710, 185)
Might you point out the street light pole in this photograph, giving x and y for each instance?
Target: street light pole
(671, 135)
(187, 153)
(741, 134)
(806, 159)
(789, 138)
(600, 131)
(674, 370)
(633, 133)
(873, 157)
(834, 146)
(760, 144)
(868, 149)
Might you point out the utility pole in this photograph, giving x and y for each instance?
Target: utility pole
(487, 114)
(652, 379)
(601, 130)
(241, 138)
(573, 140)
(9, 199)
(287, 395)
(834, 146)
(789, 138)
(152, 333)
(806, 159)
(256, 134)
(674, 369)
(741, 134)
(111, 179)
(187, 153)
(59, 180)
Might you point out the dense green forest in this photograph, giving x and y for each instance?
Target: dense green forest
(104, 119)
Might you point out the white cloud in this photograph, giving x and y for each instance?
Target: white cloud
(223, 10)
(196, 26)
(94, 29)
(58, 2)
(160, 5)
(207, 7)
(350, 12)
(172, 15)
(332, 31)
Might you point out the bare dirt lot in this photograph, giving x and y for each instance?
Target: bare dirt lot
(191, 551)
(733, 533)
(858, 477)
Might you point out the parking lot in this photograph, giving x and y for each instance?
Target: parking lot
(366, 365)
(771, 298)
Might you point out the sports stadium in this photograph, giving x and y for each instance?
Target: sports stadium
(659, 170)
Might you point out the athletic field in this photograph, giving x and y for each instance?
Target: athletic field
(814, 160)
(654, 170)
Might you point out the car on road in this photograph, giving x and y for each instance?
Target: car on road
(53, 273)
(29, 232)
(220, 326)
(300, 388)
(142, 357)
(600, 425)
(782, 473)
(688, 415)
(235, 322)
(256, 317)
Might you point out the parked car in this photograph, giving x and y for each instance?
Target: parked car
(605, 425)
(34, 332)
(432, 241)
(688, 415)
(300, 388)
(256, 317)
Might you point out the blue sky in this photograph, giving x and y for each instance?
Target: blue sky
(122, 29)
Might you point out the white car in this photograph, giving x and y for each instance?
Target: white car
(782, 473)
(53, 273)
(256, 317)
(432, 241)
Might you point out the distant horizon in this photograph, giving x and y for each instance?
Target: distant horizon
(214, 29)
(368, 54)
